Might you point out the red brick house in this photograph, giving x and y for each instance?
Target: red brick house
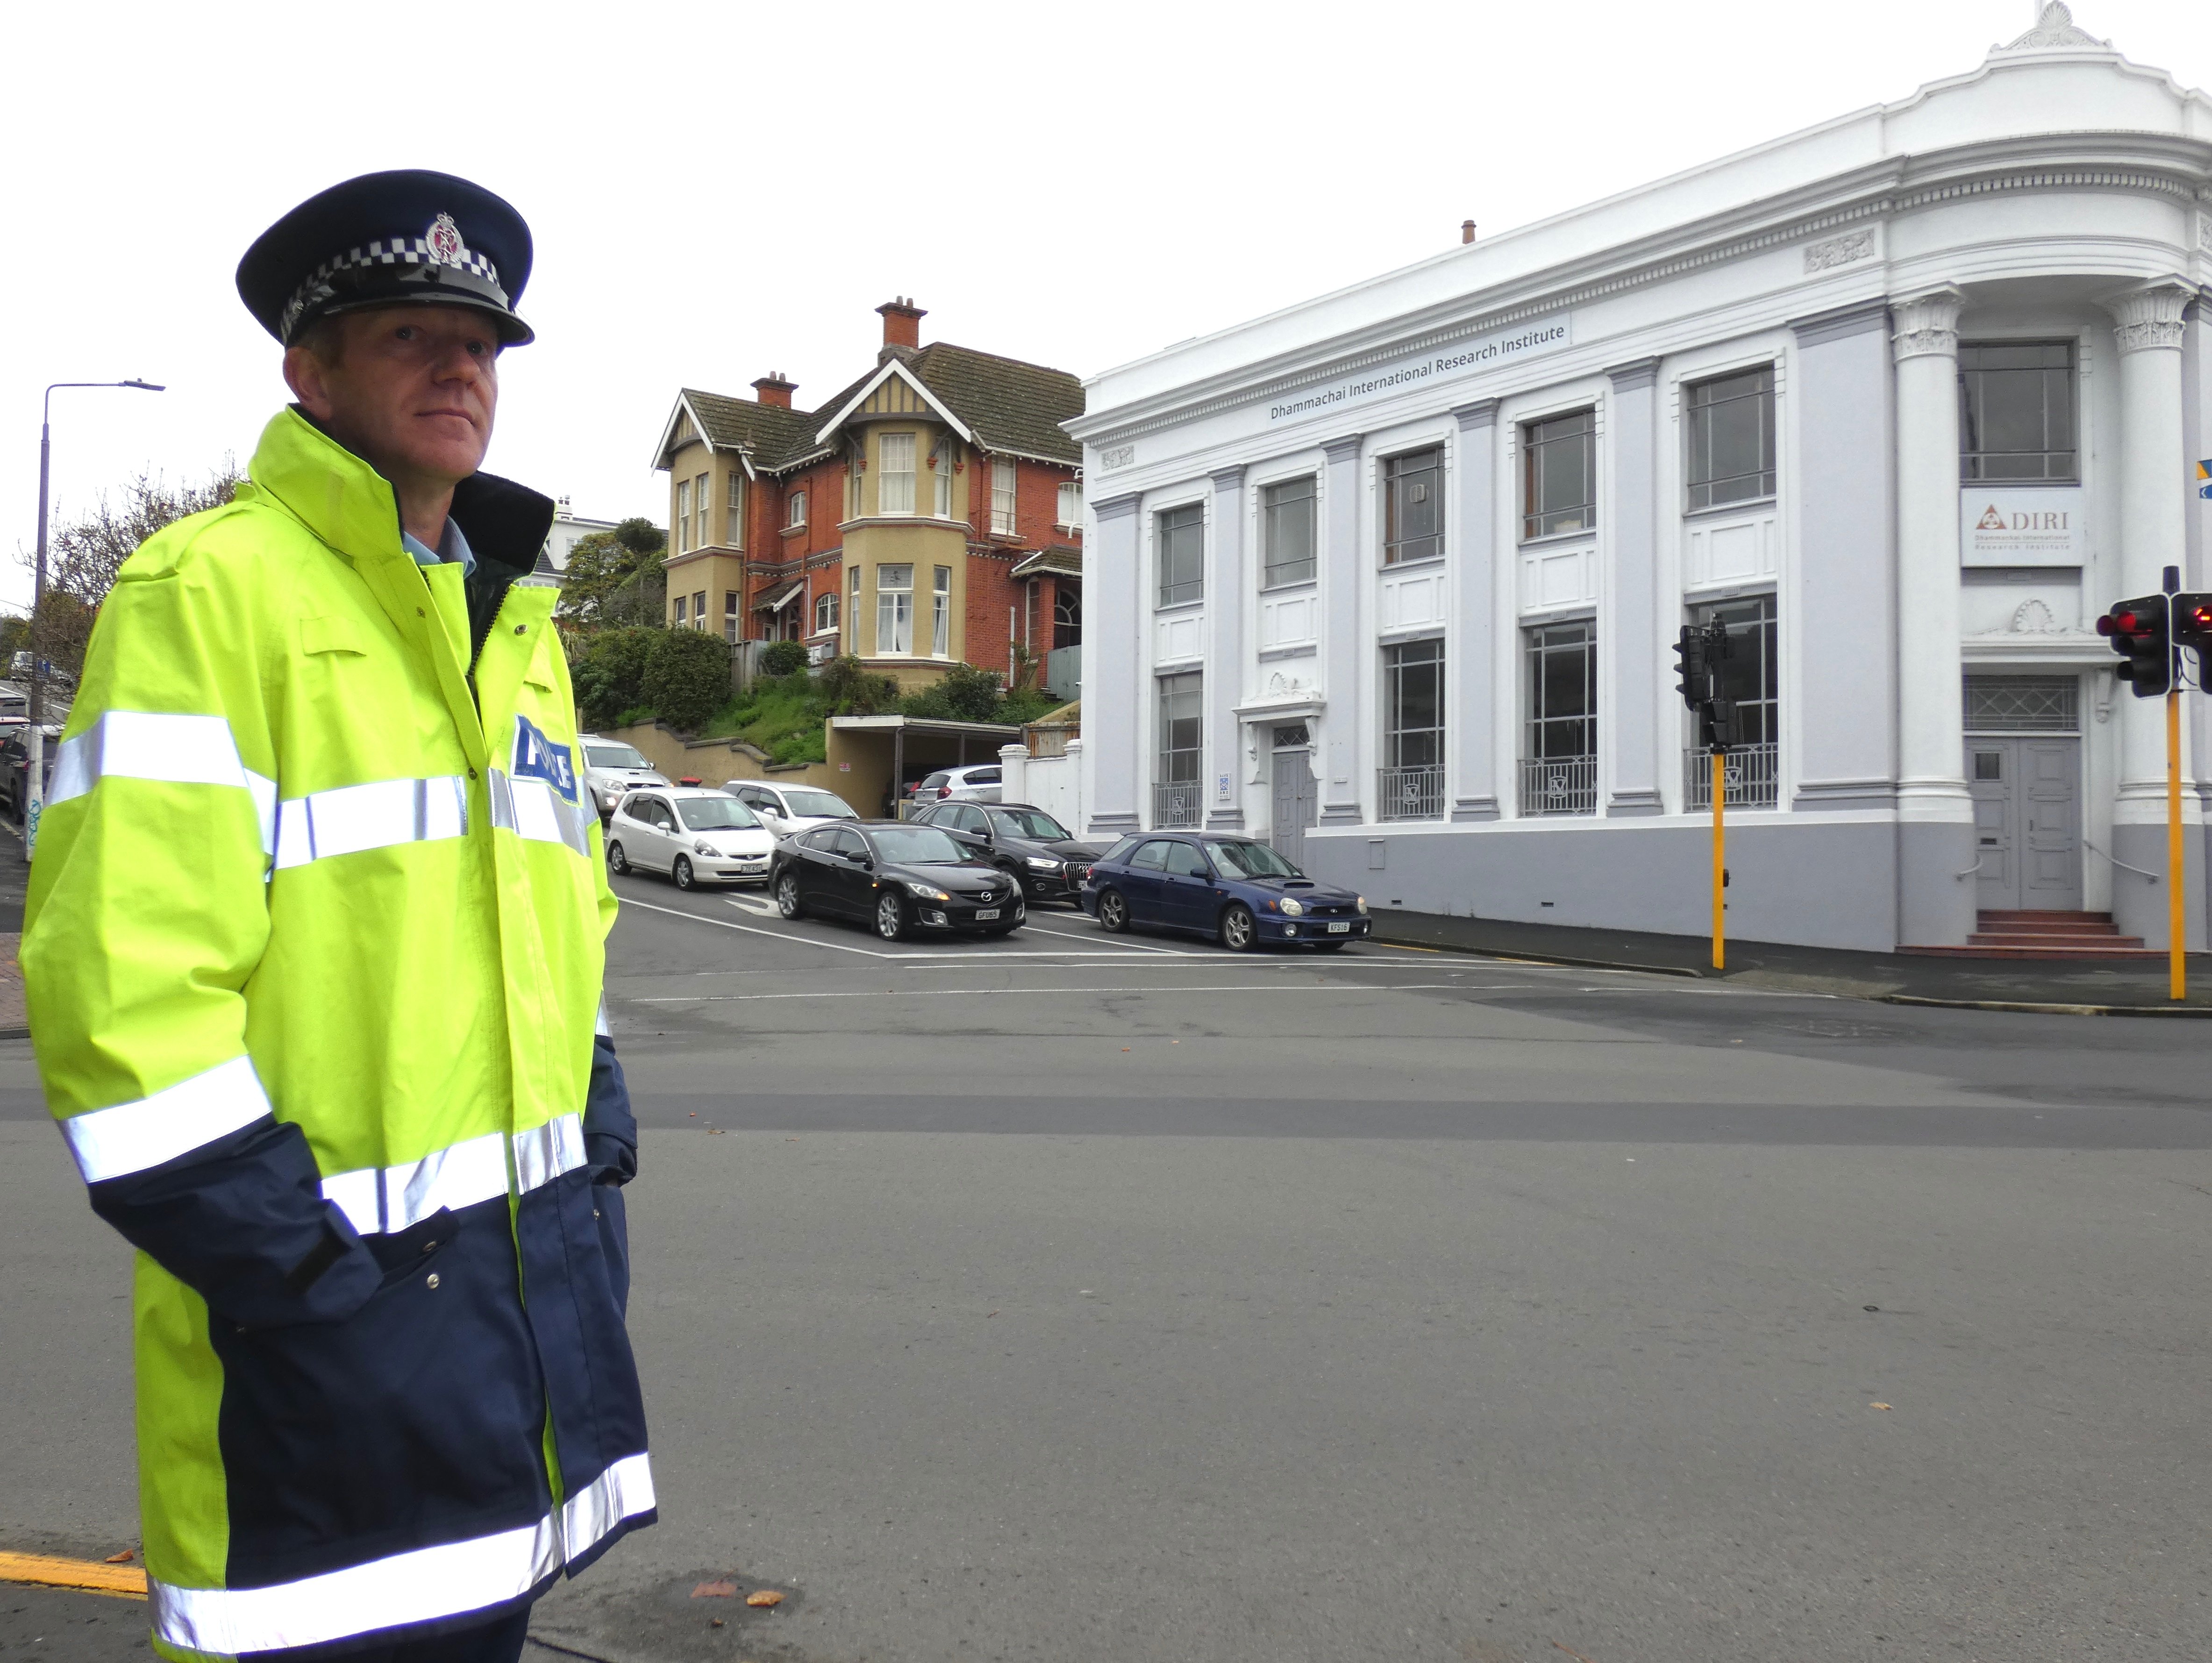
(929, 513)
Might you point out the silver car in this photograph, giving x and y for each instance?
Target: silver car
(788, 810)
(612, 770)
(696, 837)
(978, 782)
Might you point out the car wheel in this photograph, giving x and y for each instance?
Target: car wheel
(681, 871)
(1238, 931)
(618, 862)
(1113, 912)
(786, 895)
(891, 916)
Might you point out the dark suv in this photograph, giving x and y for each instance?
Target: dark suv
(15, 765)
(1022, 841)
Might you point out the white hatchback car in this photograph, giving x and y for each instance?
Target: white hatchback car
(977, 782)
(696, 837)
(787, 810)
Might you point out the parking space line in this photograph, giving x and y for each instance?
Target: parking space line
(1126, 946)
(773, 935)
(946, 992)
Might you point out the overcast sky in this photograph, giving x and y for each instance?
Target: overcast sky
(720, 190)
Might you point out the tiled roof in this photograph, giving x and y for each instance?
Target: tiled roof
(1009, 406)
(763, 429)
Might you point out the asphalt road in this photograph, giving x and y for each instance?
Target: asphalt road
(1085, 1298)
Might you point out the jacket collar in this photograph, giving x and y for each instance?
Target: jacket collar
(350, 505)
(351, 508)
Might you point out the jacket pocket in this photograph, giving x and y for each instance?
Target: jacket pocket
(416, 1422)
(332, 634)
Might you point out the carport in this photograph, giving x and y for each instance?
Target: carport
(874, 755)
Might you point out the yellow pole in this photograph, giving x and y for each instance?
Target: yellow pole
(2177, 972)
(1720, 867)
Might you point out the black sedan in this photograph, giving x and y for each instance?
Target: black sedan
(898, 878)
(1024, 842)
(1237, 890)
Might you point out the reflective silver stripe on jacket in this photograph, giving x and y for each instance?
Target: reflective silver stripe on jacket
(128, 1138)
(376, 1200)
(185, 750)
(377, 816)
(532, 809)
(417, 1587)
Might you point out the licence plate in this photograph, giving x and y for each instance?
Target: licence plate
(987, 912)
(1340, 929)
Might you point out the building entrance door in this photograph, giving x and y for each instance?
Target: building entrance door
(1291, 774)
(2027, 823)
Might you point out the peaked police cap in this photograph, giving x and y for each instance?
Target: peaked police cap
(406, 237)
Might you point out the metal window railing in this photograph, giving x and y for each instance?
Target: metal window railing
(1559, 785)
(1753, 773)
(1175, 804)
(1415, 793)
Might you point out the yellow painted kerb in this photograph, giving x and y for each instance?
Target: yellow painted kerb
(88, 1575)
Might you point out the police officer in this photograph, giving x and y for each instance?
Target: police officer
(313, 946)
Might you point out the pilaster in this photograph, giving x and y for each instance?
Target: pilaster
(1935, 907)
(1112, 766)
(1345, 587)
(1227, 584)
(1474, 644)
(1629, 635)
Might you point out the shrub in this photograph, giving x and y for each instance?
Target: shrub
(849, 690)
(782, 657)
(687, 677)
(965, 695)
(608, 668)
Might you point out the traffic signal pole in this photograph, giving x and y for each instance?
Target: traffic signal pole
(2177, 963)
(1720, 858)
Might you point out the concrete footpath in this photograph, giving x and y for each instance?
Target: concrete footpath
(2123, 987)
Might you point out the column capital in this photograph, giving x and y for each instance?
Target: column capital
(1927, 324)
(1114, 507)
(1227, 479)
(1345, 449)
(2148, 319)
(1482, 413)
(1634, 377)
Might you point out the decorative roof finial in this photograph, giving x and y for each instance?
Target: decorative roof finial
(2054, 31)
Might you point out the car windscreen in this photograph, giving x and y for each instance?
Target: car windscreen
(1028, 822)
(716, 813)
(919, 845)
(1251, 860)
(826, 805)
(614, 756)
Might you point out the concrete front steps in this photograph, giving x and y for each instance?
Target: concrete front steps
(2031, 935)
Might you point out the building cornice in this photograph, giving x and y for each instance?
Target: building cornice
(2171, 166)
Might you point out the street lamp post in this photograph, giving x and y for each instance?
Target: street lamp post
(34, 784)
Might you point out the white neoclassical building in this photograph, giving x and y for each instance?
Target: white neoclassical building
(1909, 398)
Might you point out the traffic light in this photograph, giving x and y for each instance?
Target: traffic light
(2193, 627)
(1719, 725)
(1690, 665)
(2140, 632)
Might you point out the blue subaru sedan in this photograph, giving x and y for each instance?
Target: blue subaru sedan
(1235, 890)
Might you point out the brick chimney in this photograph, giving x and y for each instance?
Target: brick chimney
(774, 391)
(902, 322)
(1467, 230)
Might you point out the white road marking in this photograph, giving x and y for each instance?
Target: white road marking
(759, 906)
(943, 993)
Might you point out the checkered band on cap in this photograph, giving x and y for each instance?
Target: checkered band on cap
(392, 250)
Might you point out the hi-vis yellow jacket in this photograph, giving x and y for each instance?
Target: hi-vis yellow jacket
(314, 945)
